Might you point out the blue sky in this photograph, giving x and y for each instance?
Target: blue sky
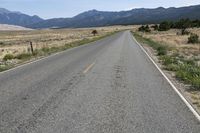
(69, 8)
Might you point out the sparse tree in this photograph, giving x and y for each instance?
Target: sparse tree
(165, 26)
(94, 32)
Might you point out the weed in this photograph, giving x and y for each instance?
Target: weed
(8, 57)
(23, 56)
(194, 38)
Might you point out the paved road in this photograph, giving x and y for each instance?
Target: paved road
(109, 86)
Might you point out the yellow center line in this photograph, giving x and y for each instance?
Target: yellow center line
(88, 68)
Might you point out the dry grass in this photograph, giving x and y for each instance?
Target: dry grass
(16, 42)
(177, 42)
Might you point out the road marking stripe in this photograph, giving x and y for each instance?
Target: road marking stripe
(88, 68)
(172, 85)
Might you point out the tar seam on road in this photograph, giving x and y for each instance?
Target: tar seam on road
(171, 84)
(88, 68)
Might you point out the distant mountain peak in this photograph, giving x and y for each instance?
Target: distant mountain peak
(161, 8)
(3, 10)
(17, 18)
(95, 18)
(90, 11)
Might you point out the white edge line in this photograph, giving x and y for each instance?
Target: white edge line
(172, 85)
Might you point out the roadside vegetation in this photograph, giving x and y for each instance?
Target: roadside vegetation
(186, 70)
(183, 25)
(177, 47)
(7, 61)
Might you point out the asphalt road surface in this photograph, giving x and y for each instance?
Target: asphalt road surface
(109, 86)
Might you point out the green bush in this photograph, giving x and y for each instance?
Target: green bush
(165, 26)
(8, 57)
(189, 74)
(194, 38)
(167, 60)
(196, 82)
(162, 50)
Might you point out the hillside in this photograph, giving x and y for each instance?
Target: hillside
(17, 18)
(95, 18)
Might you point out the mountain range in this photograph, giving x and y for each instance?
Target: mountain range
(17, 18)
(94, 18)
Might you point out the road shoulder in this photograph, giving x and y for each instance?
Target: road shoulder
(180, 88)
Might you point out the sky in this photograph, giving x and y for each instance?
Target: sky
(69, 8)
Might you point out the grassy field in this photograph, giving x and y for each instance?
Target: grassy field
(177, 42)
(176, 56)
(15, 45)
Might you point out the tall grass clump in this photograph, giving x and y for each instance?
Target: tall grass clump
(23, 56)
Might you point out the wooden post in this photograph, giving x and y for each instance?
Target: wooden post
(31, 44)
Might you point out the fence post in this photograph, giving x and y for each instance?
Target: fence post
(31, 44)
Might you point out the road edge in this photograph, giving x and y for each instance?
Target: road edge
(54, 54)
(191, 108)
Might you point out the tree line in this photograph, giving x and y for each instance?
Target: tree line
(167, 25)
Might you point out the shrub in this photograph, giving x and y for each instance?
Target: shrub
(141, 28)
(194, 38)
(196, 83)
(155, 27)
(164, 26)
(184, 32)
(144, 28)
(162, 50)
(8, 57)
(183, 24)
(167, 60)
